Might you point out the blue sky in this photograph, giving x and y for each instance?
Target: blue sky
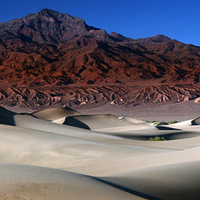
(177, 19)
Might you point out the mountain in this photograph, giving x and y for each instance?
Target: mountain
(51, 58)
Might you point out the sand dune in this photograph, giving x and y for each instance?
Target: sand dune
(55, 113)
(31, 182)
(98, 122)
(96, 157)
(177, 181)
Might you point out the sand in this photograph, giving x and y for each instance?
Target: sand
(59, 153)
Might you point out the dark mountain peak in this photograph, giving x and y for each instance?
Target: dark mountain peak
(54, 14)
(157, 39)
(118, 36)
(160, 38)
(48, 11)
(45, 26)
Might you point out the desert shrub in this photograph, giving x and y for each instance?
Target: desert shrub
(162, 123)
(154, 122)
(157, 138)
(173, 122)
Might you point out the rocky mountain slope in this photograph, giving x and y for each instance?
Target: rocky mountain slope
(50, 58)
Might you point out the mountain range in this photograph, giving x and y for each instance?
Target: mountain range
(50, 58)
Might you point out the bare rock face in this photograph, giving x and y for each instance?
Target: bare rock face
(46, 26)
(51, 58)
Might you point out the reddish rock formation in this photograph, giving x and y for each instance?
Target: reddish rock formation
(53, 58)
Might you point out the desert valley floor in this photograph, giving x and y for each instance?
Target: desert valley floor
(59, 153)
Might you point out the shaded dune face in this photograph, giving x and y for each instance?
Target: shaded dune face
(58, 153)
(179, 181)
(6, 117)
(196, 121)
(71, 121)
